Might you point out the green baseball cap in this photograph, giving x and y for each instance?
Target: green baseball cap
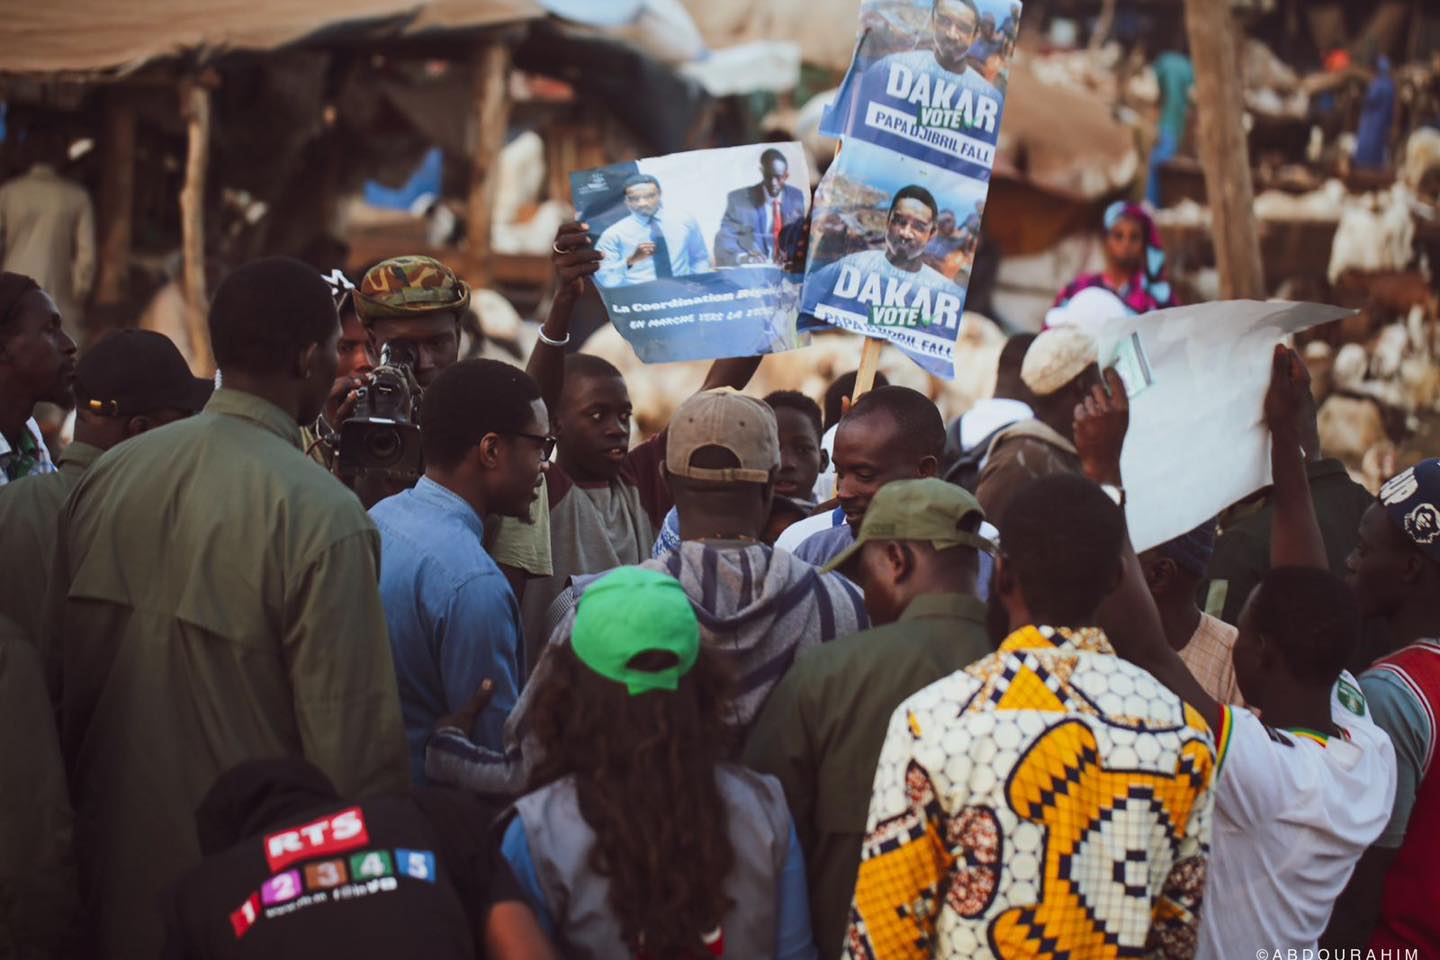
(931, 510)
(631, 611)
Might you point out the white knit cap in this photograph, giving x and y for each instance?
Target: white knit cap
(1057, 356)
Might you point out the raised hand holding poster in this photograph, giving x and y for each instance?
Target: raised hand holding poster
(702, 249)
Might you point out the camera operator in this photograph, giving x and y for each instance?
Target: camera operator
(411, 308)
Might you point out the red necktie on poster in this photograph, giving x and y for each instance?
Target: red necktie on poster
(775, 227)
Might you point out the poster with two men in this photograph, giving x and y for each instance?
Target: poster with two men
(703, 250)
(717, 253)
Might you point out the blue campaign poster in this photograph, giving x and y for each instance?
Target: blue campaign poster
(896, 221)
(702, 249)
(928, 80)
(891, 244)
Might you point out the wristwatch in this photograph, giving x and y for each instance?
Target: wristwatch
(1116, 494)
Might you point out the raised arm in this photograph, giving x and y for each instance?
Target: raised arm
(1129, 616)
(734, 372)
(1295, 539)
(574, 259)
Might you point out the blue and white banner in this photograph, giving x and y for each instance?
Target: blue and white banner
(890, 251)
(897, 216)
(928, 80)
(702, 249)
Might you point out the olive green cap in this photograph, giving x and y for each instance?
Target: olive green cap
(930, 510)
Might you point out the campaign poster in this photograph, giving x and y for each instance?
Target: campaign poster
(928, 80)
(892, 242)
(703, 250)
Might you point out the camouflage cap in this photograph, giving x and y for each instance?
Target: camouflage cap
(409, 286)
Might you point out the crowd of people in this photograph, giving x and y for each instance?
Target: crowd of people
(777, 681)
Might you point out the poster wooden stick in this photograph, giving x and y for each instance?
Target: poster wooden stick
(195, 106)
(869, 362)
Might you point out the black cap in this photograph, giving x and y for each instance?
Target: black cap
(131, 372)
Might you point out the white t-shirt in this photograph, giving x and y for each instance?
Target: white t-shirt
(1293, 813)
(825, 482)
(801, 530)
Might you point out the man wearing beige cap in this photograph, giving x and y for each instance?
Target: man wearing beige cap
(916, 557)
(1060, 368)
(758, 607)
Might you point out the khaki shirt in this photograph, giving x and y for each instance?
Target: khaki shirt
(217, 601)
(37, 870)
(821, 731)
(1028, 450)
(29, 512)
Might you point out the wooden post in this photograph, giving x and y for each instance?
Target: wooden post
(195, 107)
(1224, 153)
(869, 363)
(117, 197)
(490, 101)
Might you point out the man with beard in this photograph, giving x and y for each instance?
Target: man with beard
(37, 364)
(892, 287)
(927, 96)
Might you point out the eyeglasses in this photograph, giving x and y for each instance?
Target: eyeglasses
(547, 443)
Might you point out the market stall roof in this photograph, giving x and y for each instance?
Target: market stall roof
(122, 35)
(824, 29)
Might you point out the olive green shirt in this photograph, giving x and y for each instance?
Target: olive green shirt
(216, 600)
(821, 731)
(37, 869)
(29, 512)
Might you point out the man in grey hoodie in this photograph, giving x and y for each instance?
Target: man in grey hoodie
(757, 606)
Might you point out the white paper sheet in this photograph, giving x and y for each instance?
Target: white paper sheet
(1197, 441)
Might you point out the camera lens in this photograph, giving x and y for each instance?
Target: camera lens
(384, 446)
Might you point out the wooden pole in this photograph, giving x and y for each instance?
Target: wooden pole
(869, 363)
(1224, 153)
(490, 102)
(195, 107)
(117, 197)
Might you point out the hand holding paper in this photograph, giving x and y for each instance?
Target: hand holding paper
(1288, 397)
(574, 258)
(1101, 423)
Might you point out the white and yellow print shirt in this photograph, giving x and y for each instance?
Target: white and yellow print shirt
(1050, 800)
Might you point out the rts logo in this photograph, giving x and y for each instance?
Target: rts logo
(343, 831)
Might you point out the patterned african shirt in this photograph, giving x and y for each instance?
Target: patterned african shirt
(1049, 800)
(30, 458)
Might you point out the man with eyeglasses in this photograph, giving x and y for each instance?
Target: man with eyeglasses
(453, 617)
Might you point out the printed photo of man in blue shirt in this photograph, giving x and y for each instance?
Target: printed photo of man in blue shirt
(652, 243)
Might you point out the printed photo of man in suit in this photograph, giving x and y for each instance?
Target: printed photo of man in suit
(762, 222)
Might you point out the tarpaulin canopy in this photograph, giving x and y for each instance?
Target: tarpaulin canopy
(824, 30)
(115, 36)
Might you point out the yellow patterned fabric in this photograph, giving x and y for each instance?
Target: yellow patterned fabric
(1050, 800)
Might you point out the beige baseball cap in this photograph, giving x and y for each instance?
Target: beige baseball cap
(729, 420)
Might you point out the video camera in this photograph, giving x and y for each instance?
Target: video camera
(383, 434)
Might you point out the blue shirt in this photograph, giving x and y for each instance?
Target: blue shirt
(453, 618)
(688, 253)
